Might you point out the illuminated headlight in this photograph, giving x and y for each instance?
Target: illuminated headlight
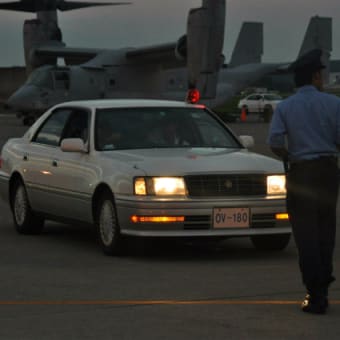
(276, 185)
(160, 186)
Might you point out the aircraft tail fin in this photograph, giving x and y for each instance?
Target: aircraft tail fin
(36, 34)
(318, 35)
(249, 45)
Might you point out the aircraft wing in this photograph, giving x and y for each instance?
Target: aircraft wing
(167, 55)
(72, 55)
(164, 54)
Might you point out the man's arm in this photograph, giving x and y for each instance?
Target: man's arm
(276, 137)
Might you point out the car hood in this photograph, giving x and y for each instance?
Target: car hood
(196, 161)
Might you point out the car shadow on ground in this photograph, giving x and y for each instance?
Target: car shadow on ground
(84, 238)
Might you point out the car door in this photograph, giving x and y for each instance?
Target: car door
(74, 172)
(253, 103)
(261, 103)
(38, 157)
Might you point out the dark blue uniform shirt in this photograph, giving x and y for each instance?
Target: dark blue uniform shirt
(309, 122)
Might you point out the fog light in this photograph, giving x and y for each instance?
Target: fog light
(282, 216)
(156, 219)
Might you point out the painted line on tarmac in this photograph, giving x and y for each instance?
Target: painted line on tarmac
(154, 302)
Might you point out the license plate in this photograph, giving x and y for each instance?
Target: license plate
(231, 218)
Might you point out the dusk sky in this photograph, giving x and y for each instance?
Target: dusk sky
(148, 22)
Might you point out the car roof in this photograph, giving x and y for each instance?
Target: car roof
(124, 103)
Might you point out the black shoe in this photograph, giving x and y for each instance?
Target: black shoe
(314, 305)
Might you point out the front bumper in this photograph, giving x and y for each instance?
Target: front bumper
(198, 217)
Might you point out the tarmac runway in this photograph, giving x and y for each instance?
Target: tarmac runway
(59, 285)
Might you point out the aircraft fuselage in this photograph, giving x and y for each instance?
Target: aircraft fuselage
(49, 85)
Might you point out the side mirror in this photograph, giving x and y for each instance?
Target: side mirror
(247, 141)
(73, 145)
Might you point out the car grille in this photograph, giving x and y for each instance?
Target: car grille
(197, 222)
(204, 221)
(226, 185)
(263, 221)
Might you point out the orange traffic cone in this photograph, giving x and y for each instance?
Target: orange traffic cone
(243, 114)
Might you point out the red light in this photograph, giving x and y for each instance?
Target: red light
(193, 96)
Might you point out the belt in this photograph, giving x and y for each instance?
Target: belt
(328, 158)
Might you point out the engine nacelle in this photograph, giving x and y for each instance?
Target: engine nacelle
(205, 37)
(181, 50)
(36, 34)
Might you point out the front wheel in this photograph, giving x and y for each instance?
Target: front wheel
(108, 229)
(271, 242)
(25, 220)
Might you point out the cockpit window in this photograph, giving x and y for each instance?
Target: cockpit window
(61, 79)
(41, 77)
(49, 77)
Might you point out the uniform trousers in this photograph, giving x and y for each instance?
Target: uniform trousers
(312, 190)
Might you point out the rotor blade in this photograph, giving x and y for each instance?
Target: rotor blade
(36, 5)
(71, 5)
(18, 6)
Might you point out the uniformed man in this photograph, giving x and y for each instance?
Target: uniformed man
(305, 133)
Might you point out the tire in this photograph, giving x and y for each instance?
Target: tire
(271, 242)
(25, 220)
(110, 238)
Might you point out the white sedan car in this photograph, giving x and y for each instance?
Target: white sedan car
(262, 103)
(143, 168)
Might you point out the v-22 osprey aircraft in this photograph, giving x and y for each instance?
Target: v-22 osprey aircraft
(190, 67)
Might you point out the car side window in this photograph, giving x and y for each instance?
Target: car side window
(77, 125)
(51, 131)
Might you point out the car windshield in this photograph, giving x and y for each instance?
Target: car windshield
(137, 128)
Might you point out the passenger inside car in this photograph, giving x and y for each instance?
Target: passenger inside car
(167, 132)
(77, 126)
